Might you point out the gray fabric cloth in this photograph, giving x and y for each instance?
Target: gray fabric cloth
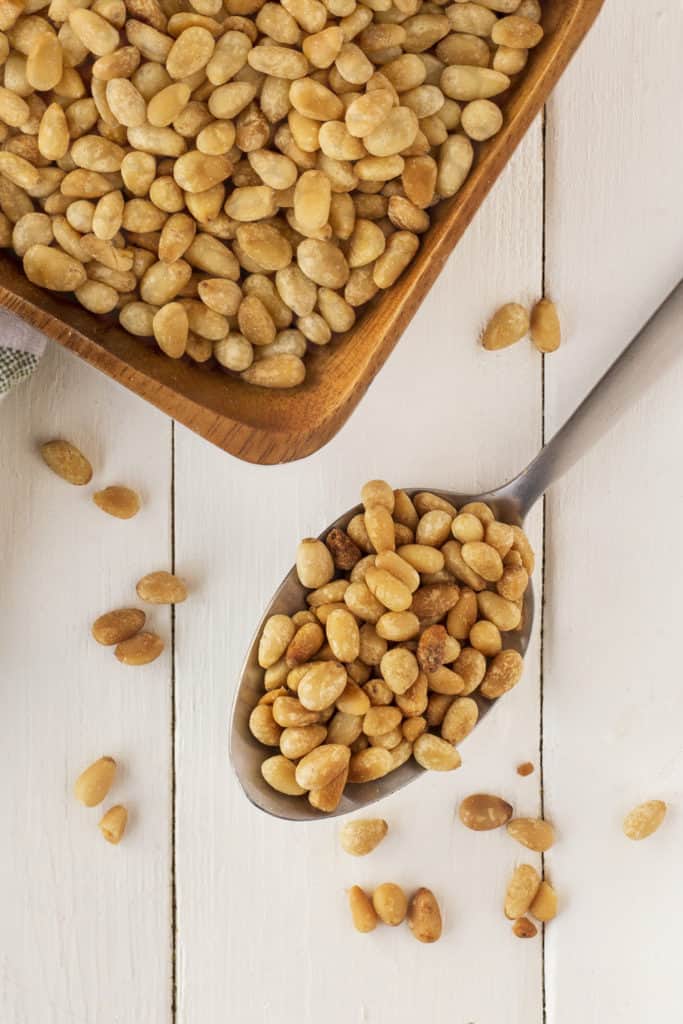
(21, 347)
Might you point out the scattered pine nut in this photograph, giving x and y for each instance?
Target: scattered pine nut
(534, 833)
(113, 824)
(644, 819)
(390, 903)
(522, 888)
(545, 326)
(93, 784)
(424, 916)
(523, 928)
(113, 627)
(161, 588)
(524, 769)
(363, 835)
(362, 910)
(67, 461)
(482, 812)
(121, 502)
(508, 325)
(140, 649)
(544, 904)
(512, 322)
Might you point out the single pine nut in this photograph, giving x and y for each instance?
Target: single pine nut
(140, 649)
(161, 588)
(361, 836)
(424, 916)
(113, 627)
(280, 773)
(113, 824)
(508, 325)
(534, 833)
(645, 819)
(121, 502)
(93, 784)
(523, 928)
(482, 812)
(521, 890)
(544, 904)
(545, 326)
(67, 461)
(390, 903)
(362, 910)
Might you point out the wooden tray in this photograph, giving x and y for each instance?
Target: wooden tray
(273, 426)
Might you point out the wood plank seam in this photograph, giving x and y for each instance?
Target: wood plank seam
(173, 880)
(544, 510)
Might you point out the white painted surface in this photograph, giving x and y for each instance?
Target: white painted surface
(612, 725)
(84, 932)
(261, 927)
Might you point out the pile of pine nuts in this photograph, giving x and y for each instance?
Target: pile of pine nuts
(235, 178)
(408, 609)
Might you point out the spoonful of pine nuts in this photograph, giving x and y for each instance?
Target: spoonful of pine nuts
(407, 620)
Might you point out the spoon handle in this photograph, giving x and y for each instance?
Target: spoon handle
(650, 355)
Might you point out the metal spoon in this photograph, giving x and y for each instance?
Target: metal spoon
(646, 358)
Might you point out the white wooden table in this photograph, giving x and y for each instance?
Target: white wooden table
(210, 912)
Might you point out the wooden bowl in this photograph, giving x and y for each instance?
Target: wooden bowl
(266, 426)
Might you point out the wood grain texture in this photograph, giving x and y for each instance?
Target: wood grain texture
(612, 681)
(84, 929)
(262, 931)
(272, 895)
(266, 426)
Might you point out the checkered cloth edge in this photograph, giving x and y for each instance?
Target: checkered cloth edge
(21, 347)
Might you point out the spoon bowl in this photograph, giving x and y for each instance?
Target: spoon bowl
(247, 753)
(645, 359)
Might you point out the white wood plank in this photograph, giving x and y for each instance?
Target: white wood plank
(611, 680)
(263, 929)
(614, 245)
(85, 927)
